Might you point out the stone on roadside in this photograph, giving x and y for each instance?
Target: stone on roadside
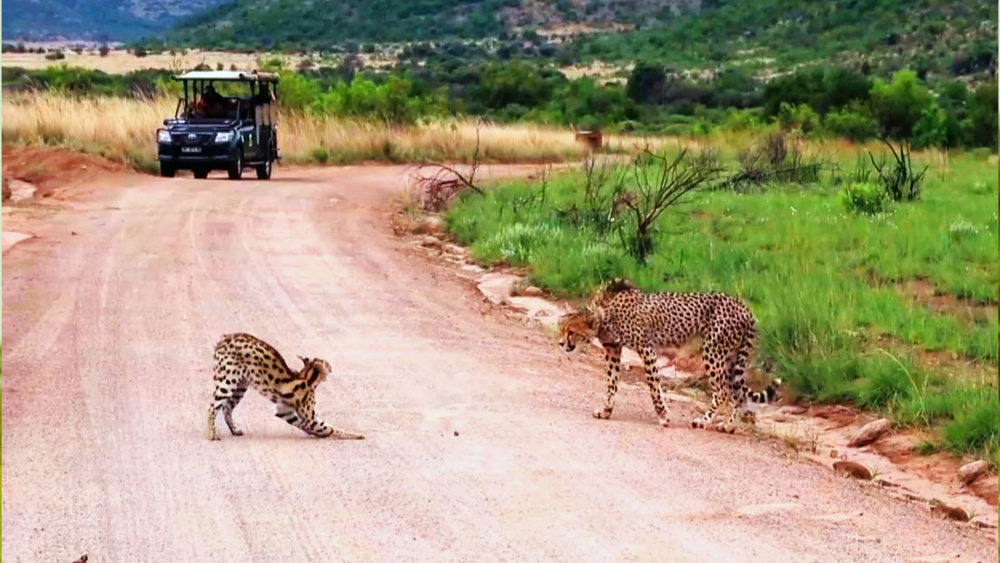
(532, 291)
(853, 469)
(870, 432)
(972, 471)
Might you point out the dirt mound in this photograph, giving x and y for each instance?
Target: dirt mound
(52, 170)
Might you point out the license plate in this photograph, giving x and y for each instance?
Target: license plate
(190, 149)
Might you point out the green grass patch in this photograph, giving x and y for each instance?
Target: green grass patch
(822, 280)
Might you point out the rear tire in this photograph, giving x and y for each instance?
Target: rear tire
(236, 168)
(167, 170)
(200, 173)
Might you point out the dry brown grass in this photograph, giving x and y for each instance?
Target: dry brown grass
(125, 129)
(120, 61)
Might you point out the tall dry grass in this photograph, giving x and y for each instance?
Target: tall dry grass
(125, 129)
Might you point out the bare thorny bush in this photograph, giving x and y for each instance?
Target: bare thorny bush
(659, 188)
(773, 159)
(658, 183)
(438, 184)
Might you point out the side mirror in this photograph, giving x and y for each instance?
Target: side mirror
(166, 121)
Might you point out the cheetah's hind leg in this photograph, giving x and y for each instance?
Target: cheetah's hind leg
(737, 385)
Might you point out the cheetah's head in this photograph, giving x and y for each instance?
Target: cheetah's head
(314, 370)
(576, 328)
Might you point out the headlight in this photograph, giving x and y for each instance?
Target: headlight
(223, 137)
(163, 136)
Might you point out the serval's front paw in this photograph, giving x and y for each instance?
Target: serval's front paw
(602, 413)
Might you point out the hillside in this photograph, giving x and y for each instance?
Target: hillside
(956, 37)
(941, 37)
(113, 20)
(307, 23)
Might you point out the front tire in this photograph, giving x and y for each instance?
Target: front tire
(236, 168)
(264, 170)
(167, 170)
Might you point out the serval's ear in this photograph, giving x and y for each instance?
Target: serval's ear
(305, 361)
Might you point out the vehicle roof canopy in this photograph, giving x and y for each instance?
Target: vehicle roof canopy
(229, 76)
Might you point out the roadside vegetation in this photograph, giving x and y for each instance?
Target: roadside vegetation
(122, 129)
(873, 272)
(345, 113)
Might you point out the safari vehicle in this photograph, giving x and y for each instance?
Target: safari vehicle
(210, 131)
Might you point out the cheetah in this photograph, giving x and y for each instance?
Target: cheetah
(622, 315)
(243, 360)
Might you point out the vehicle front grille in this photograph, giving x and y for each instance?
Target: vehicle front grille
(198, 138)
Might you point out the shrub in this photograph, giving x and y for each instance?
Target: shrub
(55, 56)
(864, 198)
(321, 155)
(851, 123)
(799, 117)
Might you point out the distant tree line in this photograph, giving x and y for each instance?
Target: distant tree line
(652, 98)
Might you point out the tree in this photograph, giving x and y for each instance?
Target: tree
(981, 125)
(646, 83)
(900, 104)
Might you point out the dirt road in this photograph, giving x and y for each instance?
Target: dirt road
(481, 446)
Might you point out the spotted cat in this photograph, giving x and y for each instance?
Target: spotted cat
(622, 315)
(243, 360)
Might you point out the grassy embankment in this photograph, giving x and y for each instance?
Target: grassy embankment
(894, 312)
(123, 130)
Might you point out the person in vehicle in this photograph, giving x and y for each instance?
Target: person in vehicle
(212, 103)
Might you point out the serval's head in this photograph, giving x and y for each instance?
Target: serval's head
(314, 371)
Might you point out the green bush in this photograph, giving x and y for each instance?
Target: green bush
(799, 117)
(900, 104)
(321, 155)
(864, 197)
(852, 123)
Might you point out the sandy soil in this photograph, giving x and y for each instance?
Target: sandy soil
(481, 446)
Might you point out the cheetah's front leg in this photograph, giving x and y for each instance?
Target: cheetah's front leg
(613, 354)
(653, 382)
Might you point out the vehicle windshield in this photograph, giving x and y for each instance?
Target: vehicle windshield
(204, 103)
